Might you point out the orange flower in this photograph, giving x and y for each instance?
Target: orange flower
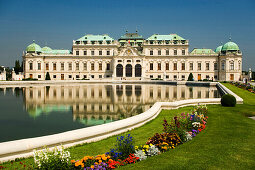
(72, 161)
(92, 166)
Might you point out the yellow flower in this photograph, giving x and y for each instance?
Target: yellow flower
(108, 156)
(92, 166)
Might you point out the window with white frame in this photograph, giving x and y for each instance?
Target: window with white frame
(231, 65)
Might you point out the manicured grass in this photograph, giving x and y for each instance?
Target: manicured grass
(228, 142)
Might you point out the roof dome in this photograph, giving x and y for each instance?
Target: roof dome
(46, 48)
(33, 48)
(230, 46)
(218, 49)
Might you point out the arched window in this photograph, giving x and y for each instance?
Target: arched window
(119, 70)
(138, 70)
(223, 65)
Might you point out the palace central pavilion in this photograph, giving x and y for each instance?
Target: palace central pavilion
(133, 57)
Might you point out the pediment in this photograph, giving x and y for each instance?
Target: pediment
(129, 52)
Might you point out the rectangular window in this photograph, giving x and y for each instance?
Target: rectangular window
(100, 76)
(151, 52)
(69, 76)
(175, 66)
(198, 66)
(167, 52)
(183, 66)
(151, 76)
(108, 66)
(215, 66)
(190, 66)
(85, 66)
(159, 52)
(92, 66)
(207, 66)
(85, 52)
(232, 66)
(108, 52)
(39, 76)
(30, 66)
(62, 66)
(39, 66)
(47, 66)
(183, 77)
(159, 66)
(175, 52)
(100, 53)
(77, 66)
(183, 52)
(54, 76)
(167, 66)
(159, 76)
(84, 76)
(70, 66)
(100, 66)
(175, 77)
(93, 52)
(54, 66)
(77, 77)
(151, 66)
(77, 52)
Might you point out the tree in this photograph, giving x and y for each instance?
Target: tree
(17, 67)
(47, 76)
(190, 78)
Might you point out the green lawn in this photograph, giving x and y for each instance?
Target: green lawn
(228, 142)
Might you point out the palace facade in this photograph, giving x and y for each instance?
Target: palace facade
(132, 57)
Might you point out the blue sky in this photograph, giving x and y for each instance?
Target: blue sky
(205, 23)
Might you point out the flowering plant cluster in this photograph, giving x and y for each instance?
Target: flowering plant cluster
(144, 151)
(187, 125)
(91, 162)
(58, 158)
(244, 86)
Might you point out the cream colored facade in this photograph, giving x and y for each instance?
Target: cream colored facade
(131, 57)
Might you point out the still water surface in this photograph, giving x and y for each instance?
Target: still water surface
(43, 110)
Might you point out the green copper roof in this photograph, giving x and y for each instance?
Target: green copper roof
(165, 37)
(230, 46)
(33, 48)
(202, 51)
(46, 48)
(57, 52)
(90, 37)
(218, 49)
(47, 109)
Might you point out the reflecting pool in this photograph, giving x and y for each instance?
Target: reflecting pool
(43, 110)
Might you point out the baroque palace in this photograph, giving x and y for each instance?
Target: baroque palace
(132, 57)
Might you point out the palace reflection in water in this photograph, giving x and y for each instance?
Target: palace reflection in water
(44, 110)
(107, 102)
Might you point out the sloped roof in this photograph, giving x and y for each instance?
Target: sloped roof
(90, 37)
(202, 51)
(57, 52)
(165, 37)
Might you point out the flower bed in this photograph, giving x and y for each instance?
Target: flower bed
(244, 86)
(178, 130)
(181, 129)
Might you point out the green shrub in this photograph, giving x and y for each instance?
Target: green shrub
(228, 100)
(190, 78)
(47, 77)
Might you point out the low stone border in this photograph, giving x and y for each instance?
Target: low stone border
(24, 147)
